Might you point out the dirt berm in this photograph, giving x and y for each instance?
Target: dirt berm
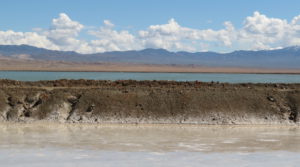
(149, 102)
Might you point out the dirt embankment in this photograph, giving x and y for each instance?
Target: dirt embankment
(149, 102)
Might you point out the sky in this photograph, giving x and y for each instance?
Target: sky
(90, 26)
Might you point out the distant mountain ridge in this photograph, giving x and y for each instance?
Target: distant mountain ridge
(280, 58)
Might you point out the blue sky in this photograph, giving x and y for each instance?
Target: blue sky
(133, 16)
(23, 15)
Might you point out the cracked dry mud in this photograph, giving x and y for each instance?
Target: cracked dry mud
(89, 101)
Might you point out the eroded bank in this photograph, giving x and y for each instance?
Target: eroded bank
(76, 101)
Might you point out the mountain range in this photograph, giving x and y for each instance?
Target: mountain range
(288, 57)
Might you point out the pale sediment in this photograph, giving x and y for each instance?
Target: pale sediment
(149, 102)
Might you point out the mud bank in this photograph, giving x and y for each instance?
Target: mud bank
(89, 101)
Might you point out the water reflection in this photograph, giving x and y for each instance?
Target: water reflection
(150, 138)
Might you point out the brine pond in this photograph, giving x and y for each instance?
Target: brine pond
(89, 145)
(148, 145)
(204, 77)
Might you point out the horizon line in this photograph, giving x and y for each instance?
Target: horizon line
(292, 46)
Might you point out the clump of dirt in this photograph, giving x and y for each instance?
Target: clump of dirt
(294, 104)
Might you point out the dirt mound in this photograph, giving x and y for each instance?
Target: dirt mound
(132, 101)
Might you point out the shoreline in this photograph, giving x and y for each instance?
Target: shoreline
(145, 125)
(61, 66)
(200, 72)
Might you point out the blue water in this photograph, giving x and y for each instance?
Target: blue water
(204, 77)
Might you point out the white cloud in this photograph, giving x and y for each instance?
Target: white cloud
(262, 32)
(63, 33)
(109, 39)
(257, 32)
(172, 36)
(167, 36)
(108, 24)
(30, 38)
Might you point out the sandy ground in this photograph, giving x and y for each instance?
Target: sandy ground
(31, 65)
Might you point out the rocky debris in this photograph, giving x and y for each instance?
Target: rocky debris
(133, 83)
(271, 98)
(91, 108)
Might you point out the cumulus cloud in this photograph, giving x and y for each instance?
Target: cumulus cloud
(161, 36)
(62, 35)
(63, 31)
(262, 32)
(30, 38)
(109, 39)
(257, 32)
(172, 36)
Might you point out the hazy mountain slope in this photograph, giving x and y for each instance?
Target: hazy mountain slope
(281, 58)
